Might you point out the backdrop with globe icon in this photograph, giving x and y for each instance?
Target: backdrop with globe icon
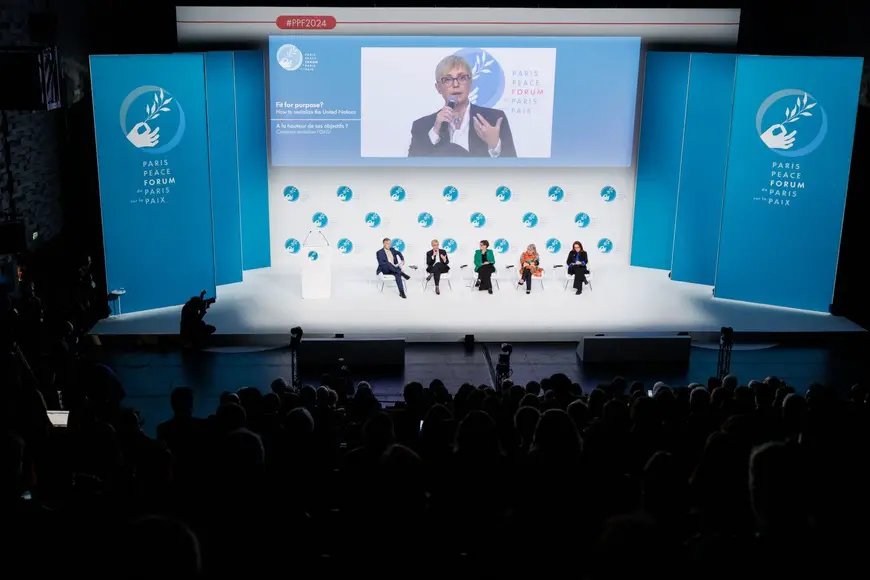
(357, 209)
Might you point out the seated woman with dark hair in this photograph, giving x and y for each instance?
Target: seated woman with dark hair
(484, 265)
(578, 262)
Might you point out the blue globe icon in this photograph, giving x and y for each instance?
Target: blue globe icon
(449, 245)
(554, 245)
(344, 193)
(312, 255)
(605, 246)
(292, 245)
(450, 193)
(530, 219)
(608, 193)
(503, 193)
(425, 219)
(555, 193)
(345, 246)
(320, 219)
(582, 220)
(291, 193)
(289, 57)
(397, 193)
(373, 220)
(477, 219)
(501, 246)
(398, 243)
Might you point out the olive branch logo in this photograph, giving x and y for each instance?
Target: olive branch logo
(481, 65)
(800, 109)
(160, 105)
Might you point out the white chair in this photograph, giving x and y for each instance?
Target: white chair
(474, 277)
(569, 278)
(445, 277)
(389, 278)
(539, 278)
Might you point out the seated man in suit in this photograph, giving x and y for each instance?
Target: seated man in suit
(460, 129)
(437, 263)
(390, 262)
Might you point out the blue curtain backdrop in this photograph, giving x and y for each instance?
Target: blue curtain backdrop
(702, 168)
(223, 152)
(152, 152)
(793, 124)
(253, 158)
(666, 80)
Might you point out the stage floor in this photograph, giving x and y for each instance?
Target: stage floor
(622, 300)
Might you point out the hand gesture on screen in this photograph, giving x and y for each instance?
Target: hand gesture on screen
(445, 115)
(490, 134)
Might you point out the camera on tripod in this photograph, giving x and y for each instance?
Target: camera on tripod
(503, 366)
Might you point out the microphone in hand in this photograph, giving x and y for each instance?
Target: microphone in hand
(444, 118)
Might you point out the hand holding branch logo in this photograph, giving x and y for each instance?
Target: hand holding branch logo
(142, 135)
(778, 136)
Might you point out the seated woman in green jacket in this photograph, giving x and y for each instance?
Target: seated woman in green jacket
(484, 265)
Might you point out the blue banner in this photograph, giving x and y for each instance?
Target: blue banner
(702, 168)
(792, 128)
(153, 162)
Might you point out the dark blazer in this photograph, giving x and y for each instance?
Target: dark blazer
(384, 263)
(421, 145)
(431, 260)
(572, 257)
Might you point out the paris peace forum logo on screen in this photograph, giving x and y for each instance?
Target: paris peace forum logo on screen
(608, 193)
(450, 193)
(373, 219)
(398, 244)
(320, 219)
(292, 246)
(344, 193)
(425, 219)
(450, 245)
(501, 246)
(345, 246)
(398, 193)
(791, 124)
(503, 193)
(289, 57)
(152, 120)
(582, 220)
(312, 255)
(556, 193)
(477, 219)
(291, 193)
(554, 246)
(605, 246)
(530, 219)
(487, 77)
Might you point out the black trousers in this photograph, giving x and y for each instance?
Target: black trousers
(436, 270)
(579, 275)
(527, 277)
(484, 274)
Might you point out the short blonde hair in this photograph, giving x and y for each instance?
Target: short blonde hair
(448, 63)
(433, 242)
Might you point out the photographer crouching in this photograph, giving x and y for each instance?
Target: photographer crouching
(194, 331)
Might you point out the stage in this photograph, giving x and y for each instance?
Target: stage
(621, 300)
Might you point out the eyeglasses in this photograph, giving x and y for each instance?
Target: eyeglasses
(461, 79)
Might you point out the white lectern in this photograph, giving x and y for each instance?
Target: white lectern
(317, 266)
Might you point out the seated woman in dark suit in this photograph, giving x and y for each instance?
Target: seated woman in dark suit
(578, 262)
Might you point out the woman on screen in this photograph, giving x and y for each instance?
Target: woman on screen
(530, 266)
(578, 262)
(484, 265)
